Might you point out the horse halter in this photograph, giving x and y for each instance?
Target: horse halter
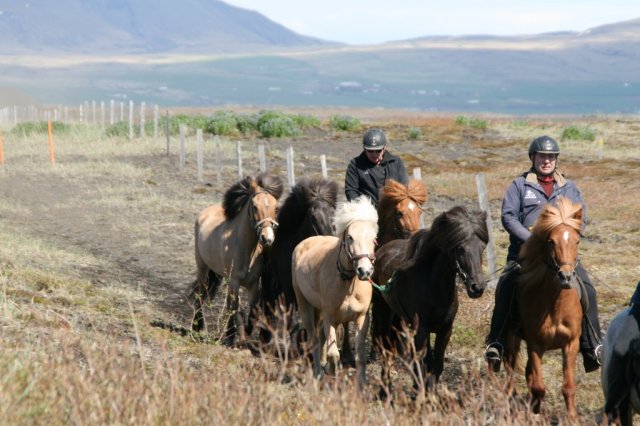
(463, 275)
(258, 225)
(353, 258)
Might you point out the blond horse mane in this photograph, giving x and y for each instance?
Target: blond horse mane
(394, 192)
(359, 209)
(534, 250)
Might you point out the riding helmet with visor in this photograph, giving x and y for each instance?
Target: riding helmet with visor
(545, 145)
(374, 140)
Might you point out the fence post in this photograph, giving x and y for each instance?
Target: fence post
(216, 143)
(484, 205)
(93, 113)
(156, 113)
(239, 158)
(112, 111)
(199, 156)
(166, 130)
(182, 129)
(143, 132)
(290, 173)
(52, 156)
(1, 150)
(323, 166)
(262, 158)
(130, 120)
(121, 111)
(102, 113)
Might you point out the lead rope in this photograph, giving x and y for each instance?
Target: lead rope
(386, 287)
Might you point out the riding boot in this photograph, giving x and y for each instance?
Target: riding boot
(503, 312)
(591, 337)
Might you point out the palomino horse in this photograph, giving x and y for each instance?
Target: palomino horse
(331, 281)
(307, 211)
(420, 275)
(549, 309)
(620, 374)
(229, 240)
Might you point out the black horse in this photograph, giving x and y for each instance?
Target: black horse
(307, 211)
(420, 275)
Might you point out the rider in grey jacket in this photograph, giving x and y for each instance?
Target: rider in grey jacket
(522, 204)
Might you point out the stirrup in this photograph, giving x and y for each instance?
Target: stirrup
(493, 355)
(598, 353)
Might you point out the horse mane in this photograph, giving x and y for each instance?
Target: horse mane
(448, 230)
(358, 209)
(303, 195)
(394, 192)
(534, 250)
(240, 192)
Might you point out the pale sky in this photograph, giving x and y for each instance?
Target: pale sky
(376, 21)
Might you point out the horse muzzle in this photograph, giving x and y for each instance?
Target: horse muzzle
(567, 279)
(266, 237)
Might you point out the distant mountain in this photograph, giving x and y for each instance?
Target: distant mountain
(139, 26)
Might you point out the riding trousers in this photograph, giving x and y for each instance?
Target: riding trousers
(506, 307)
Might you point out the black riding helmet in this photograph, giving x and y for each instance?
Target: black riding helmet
(544, 144)
(374, 139)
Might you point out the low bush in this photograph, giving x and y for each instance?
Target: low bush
(277, 124)
(578, 133)
(475, 123)
(345, 123)
(39, 127)
(414, 133)
(222, 123)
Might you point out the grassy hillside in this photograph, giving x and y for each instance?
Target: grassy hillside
(97, 257)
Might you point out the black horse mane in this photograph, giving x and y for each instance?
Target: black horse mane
(448, 230)
(305, 194)
(240, 192)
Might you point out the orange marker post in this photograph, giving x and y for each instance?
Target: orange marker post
(51, 155)
(1, 150)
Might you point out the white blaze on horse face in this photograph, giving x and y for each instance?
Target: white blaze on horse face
(411, 206)
(565, 236)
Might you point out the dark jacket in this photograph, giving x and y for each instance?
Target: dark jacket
(365, 178)
(524, 201)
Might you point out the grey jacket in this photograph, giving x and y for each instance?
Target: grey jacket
(524, 201)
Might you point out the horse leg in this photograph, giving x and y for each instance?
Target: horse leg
(421, 342)
(254, 299)
(439, 347)
(232, 310)
(309, 323)
(204, 288)
(346, 353)
(362, 326)
(534, 379)
(569, 355)
(333, 354)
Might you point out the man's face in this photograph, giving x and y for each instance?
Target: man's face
(544, 164)
(375, 155)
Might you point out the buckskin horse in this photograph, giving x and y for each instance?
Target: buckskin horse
(229, 240)
(419, 275)
(549, 309)
(331, 282)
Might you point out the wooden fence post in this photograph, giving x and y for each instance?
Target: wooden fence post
(199, 155)
(166, 130)
(239, 158)
(182, 129)
(262, 158)
(93, 113)
(52, 156)
(290, 172)
(216, 143)
(484, 205)
(156, 114)
(143, 132)
(323, 166)
(130, 120)
(112, 111)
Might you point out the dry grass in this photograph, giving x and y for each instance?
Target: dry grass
(98, 247)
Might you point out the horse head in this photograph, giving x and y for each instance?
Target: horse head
(263, 204)
(400, 209)
(357, 222)
(556, 235)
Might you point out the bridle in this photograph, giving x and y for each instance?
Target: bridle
(352, 258)
(264, 223)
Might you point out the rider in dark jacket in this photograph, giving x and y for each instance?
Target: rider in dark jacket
(368, 172)
(522, 204)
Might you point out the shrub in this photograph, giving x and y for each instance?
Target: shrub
(414, 133)
(578, 133)
(277, 124)
(121, 129)
(475, 123)
(39, 127)
(344, 122)
(305, 121)
(247, 123)
(222, 123)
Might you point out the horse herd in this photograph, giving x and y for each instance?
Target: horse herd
(339, 263)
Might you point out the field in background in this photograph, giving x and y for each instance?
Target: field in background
(98, 247)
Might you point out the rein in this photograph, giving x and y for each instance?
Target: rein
(258, 224)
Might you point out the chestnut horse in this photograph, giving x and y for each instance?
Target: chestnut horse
(549, 308)
(419, 278)
(331, 282)
(229, 240)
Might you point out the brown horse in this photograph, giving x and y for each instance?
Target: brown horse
(229, 240)
(331, 282)
(549, 307)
